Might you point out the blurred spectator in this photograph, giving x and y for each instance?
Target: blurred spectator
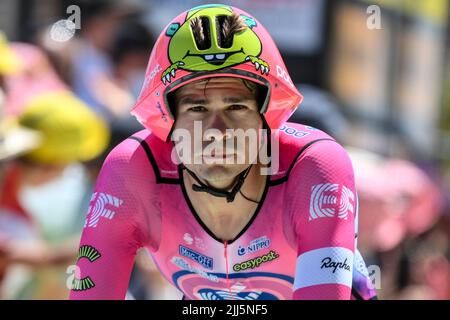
(320, 110)
(427, 267)
(45, 192)
(93, 70)
(398, 204)
(9, 62)
(36, 75)
(47, 186)
(130, 52)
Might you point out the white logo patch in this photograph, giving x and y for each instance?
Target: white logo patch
(99, 208)
(329, 265)
(281, 73)
(329, 200)
(188, 238)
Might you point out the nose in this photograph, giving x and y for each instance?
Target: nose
(217, 130)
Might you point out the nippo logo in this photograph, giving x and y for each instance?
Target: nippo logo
(255, 245)
(330, 200)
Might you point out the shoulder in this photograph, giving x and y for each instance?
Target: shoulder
(298, 144)
(143, 152)
(322, 165)
(319, 175)
(128, 154)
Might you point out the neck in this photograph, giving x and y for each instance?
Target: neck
(213, 206)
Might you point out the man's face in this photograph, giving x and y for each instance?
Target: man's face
(219, 106)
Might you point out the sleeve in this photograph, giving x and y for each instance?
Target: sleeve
(362, 286)
(322, 211)
(111, 236)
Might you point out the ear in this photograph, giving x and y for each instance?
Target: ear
(249, 21)
(172, 29)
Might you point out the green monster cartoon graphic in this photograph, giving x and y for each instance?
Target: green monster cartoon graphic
(184, 53)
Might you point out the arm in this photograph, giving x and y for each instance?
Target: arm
(111, 236)
(322, 211)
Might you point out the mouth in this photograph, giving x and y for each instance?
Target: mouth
(216, 59)
(219, 159)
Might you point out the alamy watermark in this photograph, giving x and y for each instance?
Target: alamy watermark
(374, 20)
(235, 146)
(74, 273)
(374, 279)
(64, 29)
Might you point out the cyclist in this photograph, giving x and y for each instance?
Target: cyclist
(221, 221)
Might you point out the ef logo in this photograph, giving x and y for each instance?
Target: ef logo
(64, 29)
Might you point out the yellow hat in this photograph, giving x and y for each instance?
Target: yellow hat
(9, 62)
(16, 140)
(70, 130)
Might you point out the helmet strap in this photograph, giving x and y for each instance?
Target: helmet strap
(229, 195)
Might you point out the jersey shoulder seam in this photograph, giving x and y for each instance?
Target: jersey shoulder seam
(291, 166)
(159, 179)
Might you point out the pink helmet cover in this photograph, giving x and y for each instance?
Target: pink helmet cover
(176, 60)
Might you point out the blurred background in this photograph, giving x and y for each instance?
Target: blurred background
(374, 74)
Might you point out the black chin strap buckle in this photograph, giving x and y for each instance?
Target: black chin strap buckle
(217, 193)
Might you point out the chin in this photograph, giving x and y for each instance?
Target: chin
(220, 175)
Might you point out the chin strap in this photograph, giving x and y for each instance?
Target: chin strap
(229, 195)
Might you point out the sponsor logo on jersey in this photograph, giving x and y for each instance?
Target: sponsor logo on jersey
(254, 246)
(294, 132)
(183, 264)
(188, 238)
(101, 205)
(205, 261)
(236, 292)
(256, 262)
(244, 286)
(330, 200)
(199, 243)
(329, 263)
(88, 252)
(86, 283)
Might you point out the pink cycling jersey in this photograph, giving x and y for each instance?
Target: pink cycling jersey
(299, 244)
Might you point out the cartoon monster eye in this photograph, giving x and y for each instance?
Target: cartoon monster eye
(200, 27)
(172, 29)
(249, 21)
